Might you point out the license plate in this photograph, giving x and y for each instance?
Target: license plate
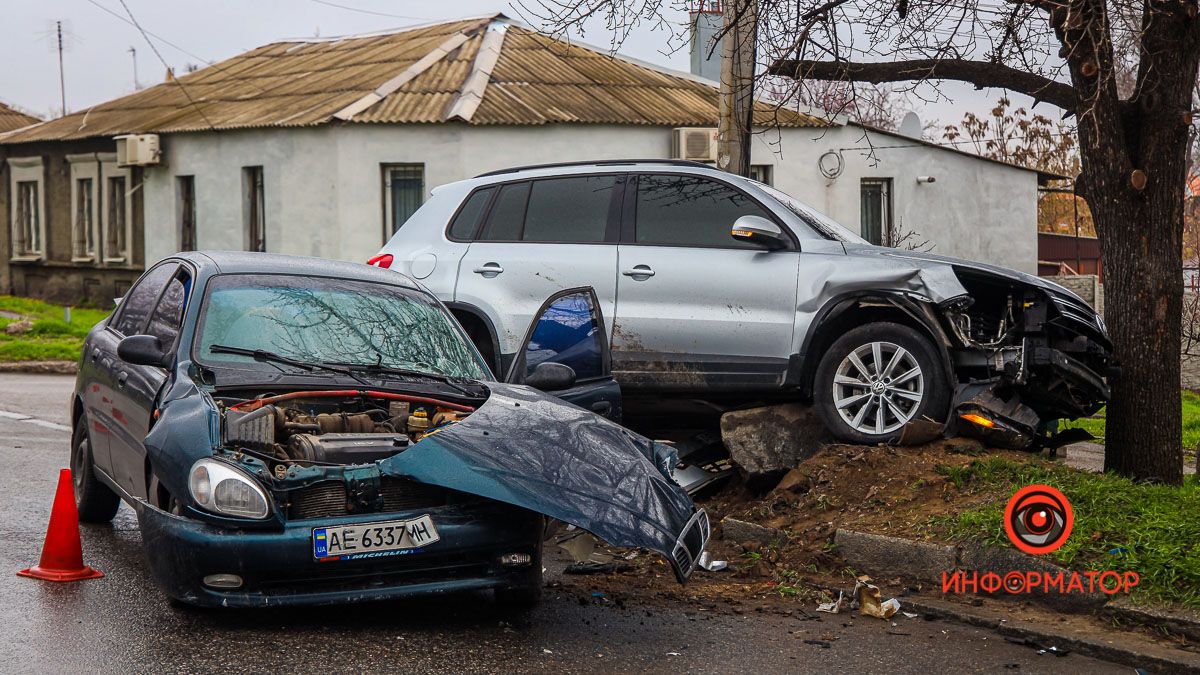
(373, 540)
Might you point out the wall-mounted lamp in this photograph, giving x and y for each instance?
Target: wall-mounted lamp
(926, 179)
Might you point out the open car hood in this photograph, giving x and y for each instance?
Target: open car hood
(531, 450)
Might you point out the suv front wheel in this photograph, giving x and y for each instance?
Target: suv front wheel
(875, 379)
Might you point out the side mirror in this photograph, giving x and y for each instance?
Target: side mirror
(760, 232)
(550, 376)
(142, 350)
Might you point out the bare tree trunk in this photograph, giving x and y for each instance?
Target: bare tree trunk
(736, 99)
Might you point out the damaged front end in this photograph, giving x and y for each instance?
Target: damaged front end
(438, 495)
(1026, 355)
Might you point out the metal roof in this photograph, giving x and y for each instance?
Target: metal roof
(487, 70)
(11, 119)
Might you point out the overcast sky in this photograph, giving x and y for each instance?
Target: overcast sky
(99, 66)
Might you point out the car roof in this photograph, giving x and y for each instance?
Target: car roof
(599, 166)
(244, 262)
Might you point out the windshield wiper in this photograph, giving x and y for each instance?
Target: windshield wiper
(272, 357)
(406, 372)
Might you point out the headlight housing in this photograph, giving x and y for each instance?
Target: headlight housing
(221, 488)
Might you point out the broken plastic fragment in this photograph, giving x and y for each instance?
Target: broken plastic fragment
(707, 562)
(869, 603)
(834, 607)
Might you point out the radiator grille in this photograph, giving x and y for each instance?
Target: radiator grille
(327, 499)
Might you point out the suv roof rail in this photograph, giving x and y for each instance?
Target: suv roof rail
(603, 162)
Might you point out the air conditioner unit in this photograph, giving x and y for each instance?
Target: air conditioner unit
(138, 150)
(698, 144)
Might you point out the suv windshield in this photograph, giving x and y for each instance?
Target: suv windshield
(815, 219)
(324, 320)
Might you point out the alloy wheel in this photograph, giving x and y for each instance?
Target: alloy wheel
(878, 388)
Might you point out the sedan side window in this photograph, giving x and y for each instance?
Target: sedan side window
(569, 332)
(139, 301)
(168, 314)
(690, 211)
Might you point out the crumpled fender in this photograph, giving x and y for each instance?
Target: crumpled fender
(528, 449)
(187, 429)
(831, 278)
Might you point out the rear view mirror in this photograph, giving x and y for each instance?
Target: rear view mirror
(550, 376)
(142, 350)
(760, 232)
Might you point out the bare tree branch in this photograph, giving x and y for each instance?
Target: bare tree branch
(979, 73)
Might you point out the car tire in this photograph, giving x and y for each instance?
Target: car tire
(96, 502)
(875, 379)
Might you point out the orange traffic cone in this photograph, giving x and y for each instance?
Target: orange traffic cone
(62, 554)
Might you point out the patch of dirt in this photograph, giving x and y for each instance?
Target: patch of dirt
(884, 490)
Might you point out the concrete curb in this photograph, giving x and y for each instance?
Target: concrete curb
(41, 367)
(1186, 624)
(1152, 658)
(884, 556)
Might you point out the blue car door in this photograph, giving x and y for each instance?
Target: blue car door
(569, 330)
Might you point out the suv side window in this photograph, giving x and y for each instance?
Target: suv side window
(139, 301)
(508, 214)
(573, 209)
(168, 314)
(466, 223)
(678, 210)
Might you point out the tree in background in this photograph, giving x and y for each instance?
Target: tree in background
(1035, 141)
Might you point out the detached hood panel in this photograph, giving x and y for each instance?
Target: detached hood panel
(528, 449)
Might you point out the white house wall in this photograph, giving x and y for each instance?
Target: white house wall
(975, 209)
(324, 186)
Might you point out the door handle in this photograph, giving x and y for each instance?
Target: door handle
(639, 272)
(121, 380)
(489, 270)
(602, 407)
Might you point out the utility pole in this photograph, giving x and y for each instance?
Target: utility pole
(62, 82)
(736, 97)
(133, 55)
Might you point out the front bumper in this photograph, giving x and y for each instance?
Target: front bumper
(278, 567)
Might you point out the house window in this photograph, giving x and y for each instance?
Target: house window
(83, 238)
(27, 239)
(762, 173)
(116, 236)
(876, 210)
(185, 200)
(27, 207)
(404, 189)
(253, 208)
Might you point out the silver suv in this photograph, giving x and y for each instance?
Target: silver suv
(722, 288)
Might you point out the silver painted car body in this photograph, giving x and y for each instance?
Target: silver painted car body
(706, 315)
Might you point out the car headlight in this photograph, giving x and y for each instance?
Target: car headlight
(220, 488)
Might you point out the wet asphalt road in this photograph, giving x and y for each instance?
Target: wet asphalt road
(122, 623)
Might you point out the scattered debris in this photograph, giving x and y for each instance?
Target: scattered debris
(1041, 649)
(579, 544)
(869, 603)
(913, 615)
(674, 654)
(707, 562)
(835, 607)
(591, 567)
(19, 327)
(820, 643)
